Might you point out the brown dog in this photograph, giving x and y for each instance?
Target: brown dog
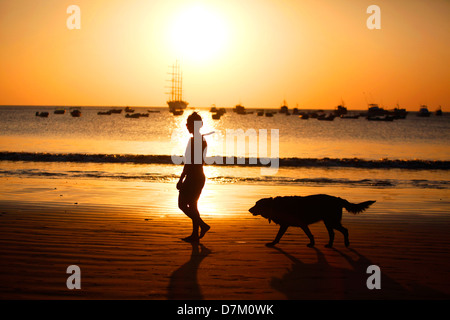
(300, 212)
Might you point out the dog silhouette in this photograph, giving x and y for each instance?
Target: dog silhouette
(297, 211)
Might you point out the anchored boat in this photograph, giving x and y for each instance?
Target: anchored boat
(423, 112)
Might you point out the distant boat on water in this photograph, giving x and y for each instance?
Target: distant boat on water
(59, 111)
(75, 113)
(375, 110)
(42, 114)
(284, 108)
(239, 109)
(176, 102)
(349, 116)
(132, 115)
(216, 116)
(439, 111)
(381, 118)
(136, 115)
(375, 113)
(423, 112)
(340, 110)
(398, 113)
(304, 116)
(324, 117)
(217, 113)
(313, 115)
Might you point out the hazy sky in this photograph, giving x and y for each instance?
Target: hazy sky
(254, 52)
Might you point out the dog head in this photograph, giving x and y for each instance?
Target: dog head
(263, 208)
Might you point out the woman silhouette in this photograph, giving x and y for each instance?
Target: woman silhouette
(192, 178)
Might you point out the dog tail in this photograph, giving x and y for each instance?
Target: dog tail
(357, 208)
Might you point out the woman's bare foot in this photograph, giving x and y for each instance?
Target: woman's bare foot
(191, 239)
(204, 230)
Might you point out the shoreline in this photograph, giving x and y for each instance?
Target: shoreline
(128, 251)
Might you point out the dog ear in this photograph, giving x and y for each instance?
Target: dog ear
(269, 209)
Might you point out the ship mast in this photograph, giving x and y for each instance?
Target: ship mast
(173, 84)
(180, 98)
(177, 85)
(176, 93)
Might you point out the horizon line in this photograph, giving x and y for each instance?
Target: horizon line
(191, 108)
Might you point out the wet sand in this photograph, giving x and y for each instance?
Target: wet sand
(126, 241)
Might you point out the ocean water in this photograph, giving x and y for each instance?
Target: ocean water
(407, 153)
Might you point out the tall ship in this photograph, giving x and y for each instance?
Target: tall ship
(176, 102)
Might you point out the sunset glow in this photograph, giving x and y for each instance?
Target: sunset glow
(255, 52)
(198, 34)
(250, 151)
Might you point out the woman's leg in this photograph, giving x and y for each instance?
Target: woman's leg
(197, 221)
(187, 202)
(183, 204)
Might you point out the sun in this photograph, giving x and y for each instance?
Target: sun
(198, 34)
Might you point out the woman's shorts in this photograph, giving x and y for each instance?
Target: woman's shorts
(192, 188)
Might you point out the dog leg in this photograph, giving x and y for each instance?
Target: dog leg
(345, 233)
(278, 237)
(331, 235)
(310, 236)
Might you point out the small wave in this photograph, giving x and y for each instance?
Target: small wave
(31, 173)
(427, 184)
(225, 179)
(369, 164)
(307, 181)
(222, 161)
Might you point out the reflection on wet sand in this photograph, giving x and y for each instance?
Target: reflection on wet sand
(329, 282)
(183, 282)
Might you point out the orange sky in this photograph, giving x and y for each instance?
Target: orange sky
(254, 52)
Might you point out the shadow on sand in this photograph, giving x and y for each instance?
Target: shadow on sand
(322, 281)
(183, 284)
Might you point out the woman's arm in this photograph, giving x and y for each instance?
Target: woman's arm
(180, 181)
(185, 169)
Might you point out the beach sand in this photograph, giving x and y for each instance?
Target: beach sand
(125, 237)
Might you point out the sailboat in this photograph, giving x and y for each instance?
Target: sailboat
(176, 102)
